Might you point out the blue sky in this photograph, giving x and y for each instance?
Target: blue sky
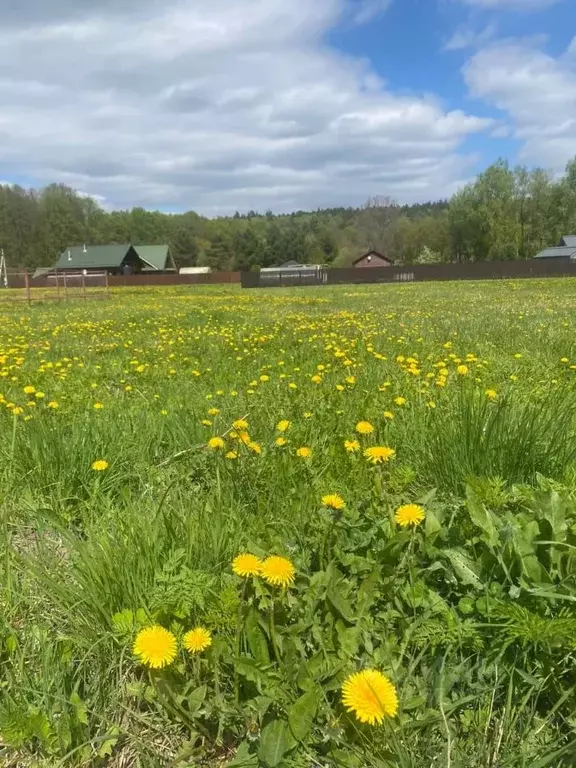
(220, 105)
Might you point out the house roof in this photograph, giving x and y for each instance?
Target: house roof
(93, 257)
(565, 252)
(373, 253)
(157, 257)
(569, 240)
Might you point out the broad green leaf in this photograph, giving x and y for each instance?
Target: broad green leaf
(349, 639)
(79, 708)
(481, 517)
(367, 591)
(275, 741)
(256, 638)
(196, 699)
(110, 741)
(413, 703)
(340, 604)
(302, 713)
(243, 758)
(464, 568)
(253, 671)
(345, 759)
(431, 523)
(553, 508)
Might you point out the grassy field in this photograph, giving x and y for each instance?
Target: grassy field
(399, 460)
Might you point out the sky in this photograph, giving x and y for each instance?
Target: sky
(232, 105)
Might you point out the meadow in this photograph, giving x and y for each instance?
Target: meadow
(296, 527)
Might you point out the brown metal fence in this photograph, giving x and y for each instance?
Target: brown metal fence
(480, 270)
(150, 278)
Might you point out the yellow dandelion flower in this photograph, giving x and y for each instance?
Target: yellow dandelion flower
(491, 394)
(364, 428)
(462, 370)
(388, 415)
(379, 454)
(231, 455)
(409, 514)
(370, 696)
(155, 647)
(304, 452)
(278, 571)
(16, 411)
(240, 425)
(246, 565)
(281, 441)
(100, 465)
(255, 447)
(98, 406)
(334, 501)
(283, 425)
(29, 390)
(197, 640)
(53, 404)
(400, 401)
(213, 412)
(307, 414)
(340, 387)
(40, 395)
(216, 443)
(206, 423)
(352, 446)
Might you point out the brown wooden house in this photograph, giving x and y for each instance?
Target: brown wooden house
(373, 259)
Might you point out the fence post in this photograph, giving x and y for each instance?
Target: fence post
(65, 286)
(57, 286)
(27, 284)
(83, 287)
(107, 289)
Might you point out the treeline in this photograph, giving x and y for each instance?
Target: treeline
(505, 214)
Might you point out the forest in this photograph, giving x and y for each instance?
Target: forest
(506, 213)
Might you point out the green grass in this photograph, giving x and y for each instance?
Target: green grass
(471, 615)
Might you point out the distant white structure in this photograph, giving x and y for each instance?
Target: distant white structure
(293, 266)
(293, 273)
(194, 271)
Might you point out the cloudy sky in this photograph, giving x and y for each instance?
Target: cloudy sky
(224, 105)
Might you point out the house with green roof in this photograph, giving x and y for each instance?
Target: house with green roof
(115, 259)
(157, 258)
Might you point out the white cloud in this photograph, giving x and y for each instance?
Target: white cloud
(511, 5)
(538, 93)
(213, 105)
(468, 37)
(501, 132)
(367, 10)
